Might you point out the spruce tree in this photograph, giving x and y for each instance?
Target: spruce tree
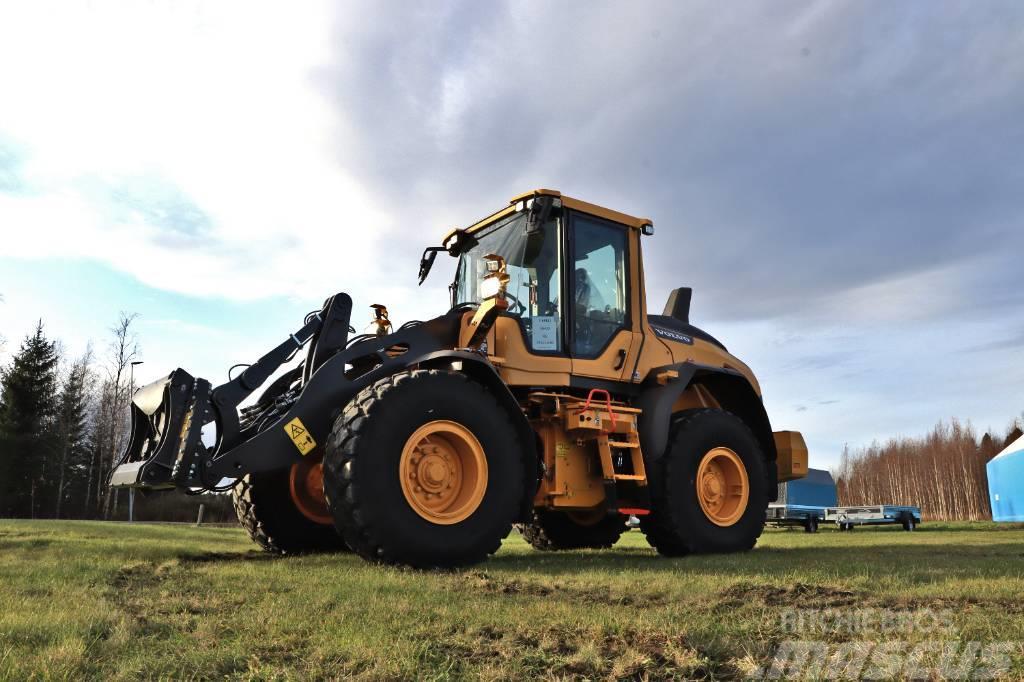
(28, 408)
(73, 452)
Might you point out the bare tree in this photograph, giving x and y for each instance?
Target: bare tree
(943, 472)
(112, 413)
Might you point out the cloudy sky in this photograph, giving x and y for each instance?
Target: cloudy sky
(842, 184)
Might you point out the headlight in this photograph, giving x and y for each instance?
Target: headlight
(496, 279)
(490, 287)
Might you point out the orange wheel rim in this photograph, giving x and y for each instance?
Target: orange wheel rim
(722, 486)
(306, 485)
(443, 472)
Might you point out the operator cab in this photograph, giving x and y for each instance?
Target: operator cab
(568, 264)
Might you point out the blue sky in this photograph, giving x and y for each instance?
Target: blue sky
(841, 183)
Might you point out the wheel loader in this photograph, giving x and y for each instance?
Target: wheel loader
(546, 398)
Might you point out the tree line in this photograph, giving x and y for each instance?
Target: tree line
(64, 423)
(942, 472)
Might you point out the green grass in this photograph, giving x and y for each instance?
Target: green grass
(116, 601)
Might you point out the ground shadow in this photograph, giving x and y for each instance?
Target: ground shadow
(994, 560)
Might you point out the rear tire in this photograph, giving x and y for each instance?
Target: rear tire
(372, 451)
(556, 530)
(811, 525)
(678, 523)
(266, 511)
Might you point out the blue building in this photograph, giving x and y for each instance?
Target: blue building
(817, 489)
(1006, 483)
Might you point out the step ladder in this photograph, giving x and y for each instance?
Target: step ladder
(614, 427)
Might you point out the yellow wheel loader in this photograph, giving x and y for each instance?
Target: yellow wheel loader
(546, 397)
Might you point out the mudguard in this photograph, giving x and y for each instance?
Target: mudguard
(733, 392)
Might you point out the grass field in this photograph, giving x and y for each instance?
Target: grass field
(115, 601)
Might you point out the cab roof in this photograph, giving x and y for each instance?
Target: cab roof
(567, 202)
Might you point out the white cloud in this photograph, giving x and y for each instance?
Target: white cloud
(211, 103)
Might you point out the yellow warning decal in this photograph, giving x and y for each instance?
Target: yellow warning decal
(297, 431)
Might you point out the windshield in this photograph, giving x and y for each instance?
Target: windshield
(534, 280)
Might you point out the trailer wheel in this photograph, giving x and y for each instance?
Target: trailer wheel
(555, 530)
(424, 468)
(280, 515)
(811, 524)
(908, 523)
(709, 491)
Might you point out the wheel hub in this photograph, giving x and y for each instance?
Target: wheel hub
(306, 486)
(443, 472)
(722, 486)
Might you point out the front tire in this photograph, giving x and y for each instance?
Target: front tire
(424, 468)
(556, 530)
(709, 491)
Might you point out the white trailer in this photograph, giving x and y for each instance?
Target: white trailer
(873, 515)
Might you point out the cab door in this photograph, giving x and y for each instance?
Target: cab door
(527, 343)
(600, 309)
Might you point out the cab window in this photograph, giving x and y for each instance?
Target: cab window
(598, 284)
(532, 261)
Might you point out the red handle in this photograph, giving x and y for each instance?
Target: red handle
(608, 400)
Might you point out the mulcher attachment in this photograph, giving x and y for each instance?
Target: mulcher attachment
(158, 413)
(166, 448)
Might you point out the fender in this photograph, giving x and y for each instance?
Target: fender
(730, 388)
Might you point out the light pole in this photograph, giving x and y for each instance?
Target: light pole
(131, 392)
(131, 375)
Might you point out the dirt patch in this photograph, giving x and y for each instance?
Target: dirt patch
(555, 653)
(214, 557)
(957, 604)
(797, 595)
(130, 590)
(136, 575)
(602, 596)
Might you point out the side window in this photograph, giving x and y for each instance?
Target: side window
(599, 284)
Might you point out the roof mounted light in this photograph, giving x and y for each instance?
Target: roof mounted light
(647, 229)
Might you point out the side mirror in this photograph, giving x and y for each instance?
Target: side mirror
(427, 261)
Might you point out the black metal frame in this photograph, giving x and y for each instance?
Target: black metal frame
(166, 448)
